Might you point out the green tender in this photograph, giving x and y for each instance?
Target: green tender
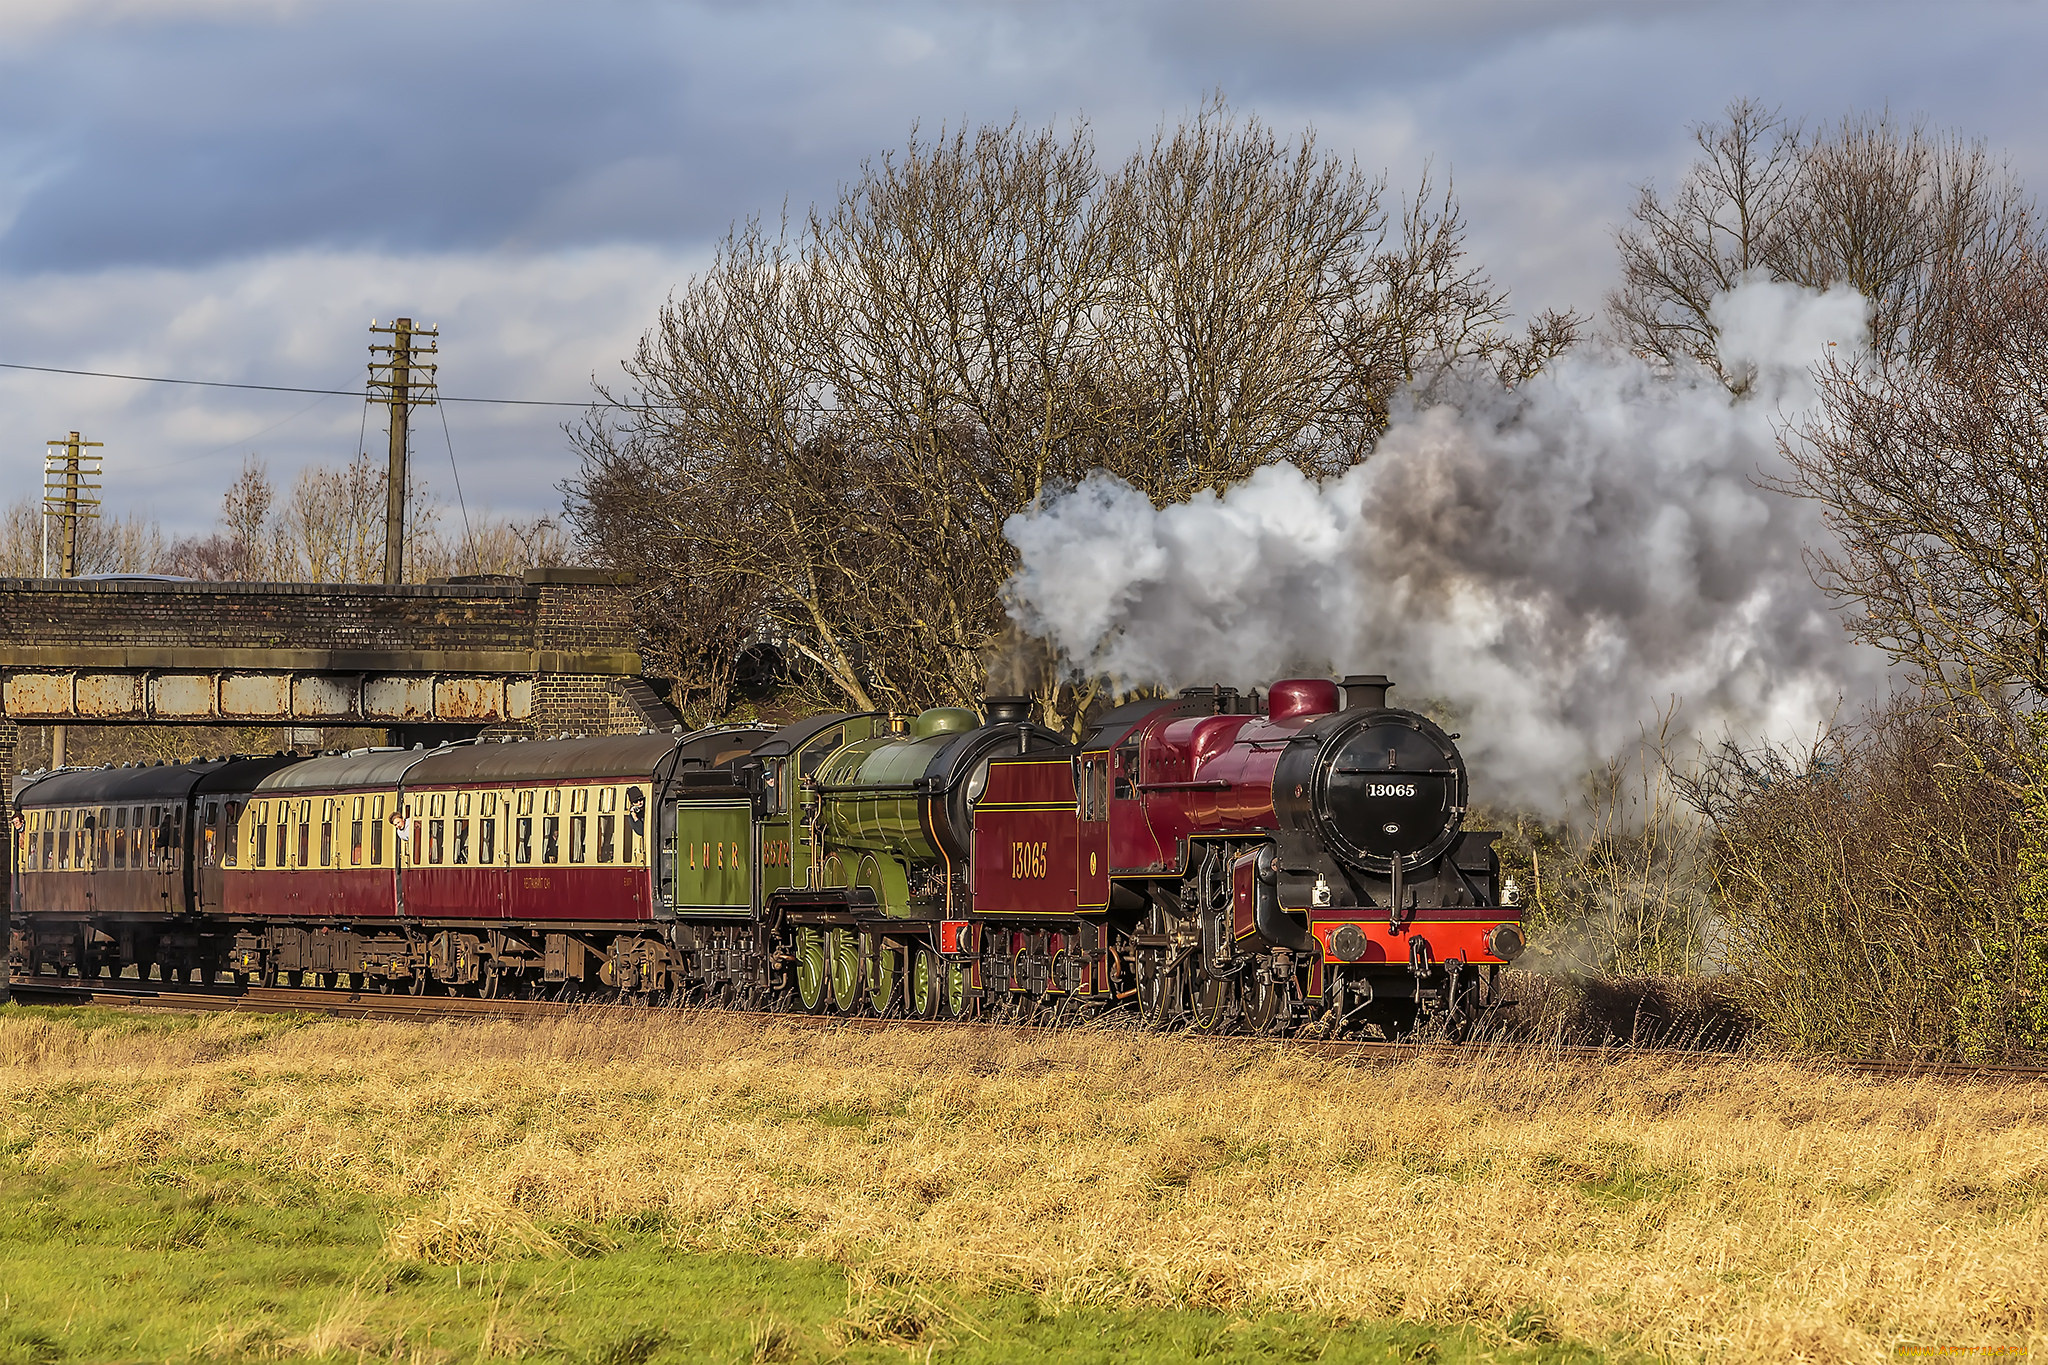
(714, 867)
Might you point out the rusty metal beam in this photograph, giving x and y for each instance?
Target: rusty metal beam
(277, 697)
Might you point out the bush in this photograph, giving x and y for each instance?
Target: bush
(1885, 892)
(1620, 888)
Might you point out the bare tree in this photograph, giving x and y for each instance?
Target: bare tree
(1723, 224)
(128, 544)
(824, 434)
(506, 547)
(1896, 213)
(244, 545)
(1932, 473)
(332, 528)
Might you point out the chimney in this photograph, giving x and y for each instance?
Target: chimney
(1007, 710)
(1365, 691)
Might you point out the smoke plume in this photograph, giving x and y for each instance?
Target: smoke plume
(1555, 566)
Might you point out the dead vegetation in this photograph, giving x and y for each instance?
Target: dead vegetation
(1722, 1210)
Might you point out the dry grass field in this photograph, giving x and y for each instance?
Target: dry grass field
(1662, 1205)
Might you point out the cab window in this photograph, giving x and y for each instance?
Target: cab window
(1126, 761)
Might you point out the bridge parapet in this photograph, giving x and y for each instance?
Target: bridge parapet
(507, 652)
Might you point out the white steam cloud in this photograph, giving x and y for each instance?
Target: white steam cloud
(1558, 564)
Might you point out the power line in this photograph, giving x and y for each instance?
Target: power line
(287, 388)
(460, 501)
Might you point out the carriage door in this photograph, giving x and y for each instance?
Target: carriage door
(162, 863)
(1091, 778)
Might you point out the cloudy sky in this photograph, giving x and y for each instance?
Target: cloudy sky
(232, 189)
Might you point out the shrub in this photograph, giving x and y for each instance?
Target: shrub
(1884, 890)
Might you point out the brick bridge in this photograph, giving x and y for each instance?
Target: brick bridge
(555, 652)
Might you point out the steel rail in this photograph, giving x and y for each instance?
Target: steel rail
(340, 1004)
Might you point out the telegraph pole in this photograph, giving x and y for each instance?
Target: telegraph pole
(71, 486)
(402, 381)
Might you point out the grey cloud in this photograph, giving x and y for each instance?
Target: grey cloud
(232, 190)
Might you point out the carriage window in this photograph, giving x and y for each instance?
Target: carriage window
(488, 805)
(49, 841)
(486, 842)
(608, 798)
(120, 859)
(579, 800)
(31, 840)
(284, 833)
(526, 802)
(551, 839)
(437, 840)
(231, 834)
(153, 839)
(327, 831)
(522, 837)
(579, 828)
(552, 802)
(377, 831)
(462, 803)
(607, 837)
(64, 839)
(461, 832)
(437, 804)
(636, 822)
(259, 835)
(212, 852)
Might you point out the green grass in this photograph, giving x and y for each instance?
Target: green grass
(168, 1263)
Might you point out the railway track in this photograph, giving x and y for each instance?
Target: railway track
(132, 994)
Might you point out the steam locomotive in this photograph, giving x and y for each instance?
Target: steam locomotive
(1218, 860)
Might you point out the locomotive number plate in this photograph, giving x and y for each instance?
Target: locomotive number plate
(1028, 861)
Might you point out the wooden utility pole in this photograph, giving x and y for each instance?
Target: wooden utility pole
(71, 486)
(402, 381)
